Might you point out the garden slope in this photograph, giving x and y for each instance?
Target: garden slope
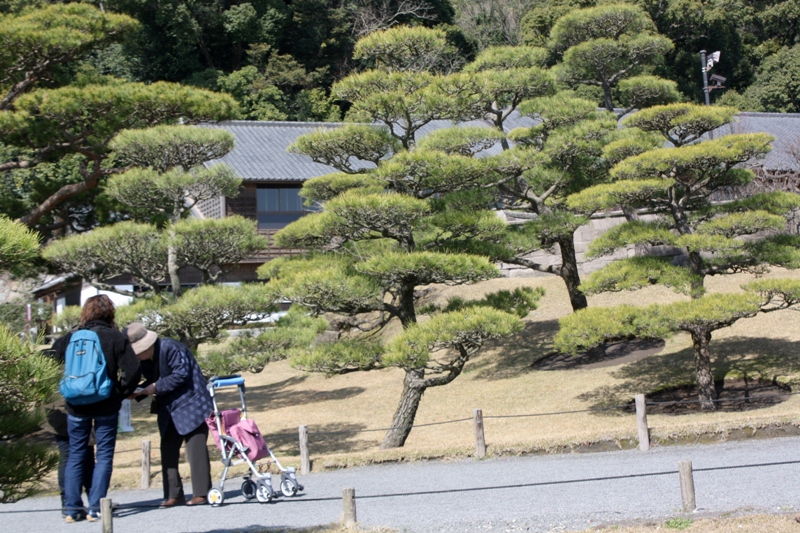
(502, 381)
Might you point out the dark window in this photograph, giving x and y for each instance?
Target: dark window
(277, 206)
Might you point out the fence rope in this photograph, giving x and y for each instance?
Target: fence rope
(593, 409)
(526, 415)
(530, 415)
(126, 451)
(389, 429)
(132, 506)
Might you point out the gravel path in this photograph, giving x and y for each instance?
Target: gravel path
(533, 494)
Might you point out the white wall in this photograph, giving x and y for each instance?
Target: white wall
(88, 291)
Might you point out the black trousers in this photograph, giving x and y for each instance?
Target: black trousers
(196, 453)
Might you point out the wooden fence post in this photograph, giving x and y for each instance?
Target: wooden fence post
(349, 507)
(106, 516)
(145, 464)
(305, 462)
(641, 422)
(480, 439)
(687, 486)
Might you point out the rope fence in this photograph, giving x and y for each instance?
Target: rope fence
(525, 415)
(640, 404)
(685, 473)
(348, 498)
(478, 418)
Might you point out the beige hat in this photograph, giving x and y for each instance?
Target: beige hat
(141, 338)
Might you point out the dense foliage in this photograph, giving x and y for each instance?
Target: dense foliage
(674, 184)
(27, 380)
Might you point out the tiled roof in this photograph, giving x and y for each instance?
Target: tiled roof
(785, 127)
(260, 151)
(515, 120)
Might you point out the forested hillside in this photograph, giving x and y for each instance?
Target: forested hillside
(73, 75)
(278, 58)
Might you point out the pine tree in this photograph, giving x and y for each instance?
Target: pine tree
(676, 185)
(167, 181)
(27, 381)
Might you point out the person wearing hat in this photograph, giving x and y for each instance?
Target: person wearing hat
(173, 375)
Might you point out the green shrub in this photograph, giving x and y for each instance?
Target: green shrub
(28, 379)
(68, 319)
(13, 315)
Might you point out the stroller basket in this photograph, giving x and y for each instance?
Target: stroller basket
(240, 441)
(244, 431)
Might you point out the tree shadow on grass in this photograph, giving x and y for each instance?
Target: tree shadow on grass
(608, 354)
(732, 358)
(337, 438)
(515, 355)
(280, 395)
(266, 397)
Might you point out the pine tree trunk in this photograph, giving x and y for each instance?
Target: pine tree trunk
(608, 101)
(498, 123)
(569, 273)
(406, 411)
(172, 265)
(407, 313)
(696, 266)
(702, 360)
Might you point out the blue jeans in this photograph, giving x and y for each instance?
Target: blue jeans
(63, 458)
(105, 434)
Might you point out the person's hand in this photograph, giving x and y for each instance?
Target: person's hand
(149, 390)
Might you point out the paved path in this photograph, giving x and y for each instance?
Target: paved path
(501, 495)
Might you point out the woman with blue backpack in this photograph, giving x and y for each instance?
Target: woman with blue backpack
(101, 369)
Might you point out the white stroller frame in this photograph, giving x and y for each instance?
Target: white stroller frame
(256, 484)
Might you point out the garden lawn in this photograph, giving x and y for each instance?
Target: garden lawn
(741, 524)
(346, 414)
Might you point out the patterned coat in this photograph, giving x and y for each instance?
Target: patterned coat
(181, 391)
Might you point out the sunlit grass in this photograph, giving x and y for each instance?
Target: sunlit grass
(501, 381)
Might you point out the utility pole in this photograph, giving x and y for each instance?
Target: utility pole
(704, 68)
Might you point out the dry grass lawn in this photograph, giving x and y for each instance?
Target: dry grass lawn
(741, 524)
(345, 414)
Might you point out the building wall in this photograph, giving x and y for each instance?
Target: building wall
(583, 236)
(244, 204)
(88, 291)
(212, 208)
(765, 180)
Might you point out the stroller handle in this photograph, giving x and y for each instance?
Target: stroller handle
(227, 381)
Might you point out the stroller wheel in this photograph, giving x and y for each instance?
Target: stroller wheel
(288, 487)
(249, 489)
(215, 497)
(263, 493)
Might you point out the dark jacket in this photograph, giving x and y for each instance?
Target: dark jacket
(180, 386)
(122, 367)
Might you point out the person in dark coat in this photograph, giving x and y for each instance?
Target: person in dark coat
(184, 403)
(124, 370)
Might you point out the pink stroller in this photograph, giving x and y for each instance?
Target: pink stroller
(241, 442)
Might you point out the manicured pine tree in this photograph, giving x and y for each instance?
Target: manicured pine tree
(41, 121)
(167, 181)
(388, 225)
(27, 381)
(611, 46)
(676, 184)
(372, 251)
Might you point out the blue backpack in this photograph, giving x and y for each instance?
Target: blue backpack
(85, 378)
